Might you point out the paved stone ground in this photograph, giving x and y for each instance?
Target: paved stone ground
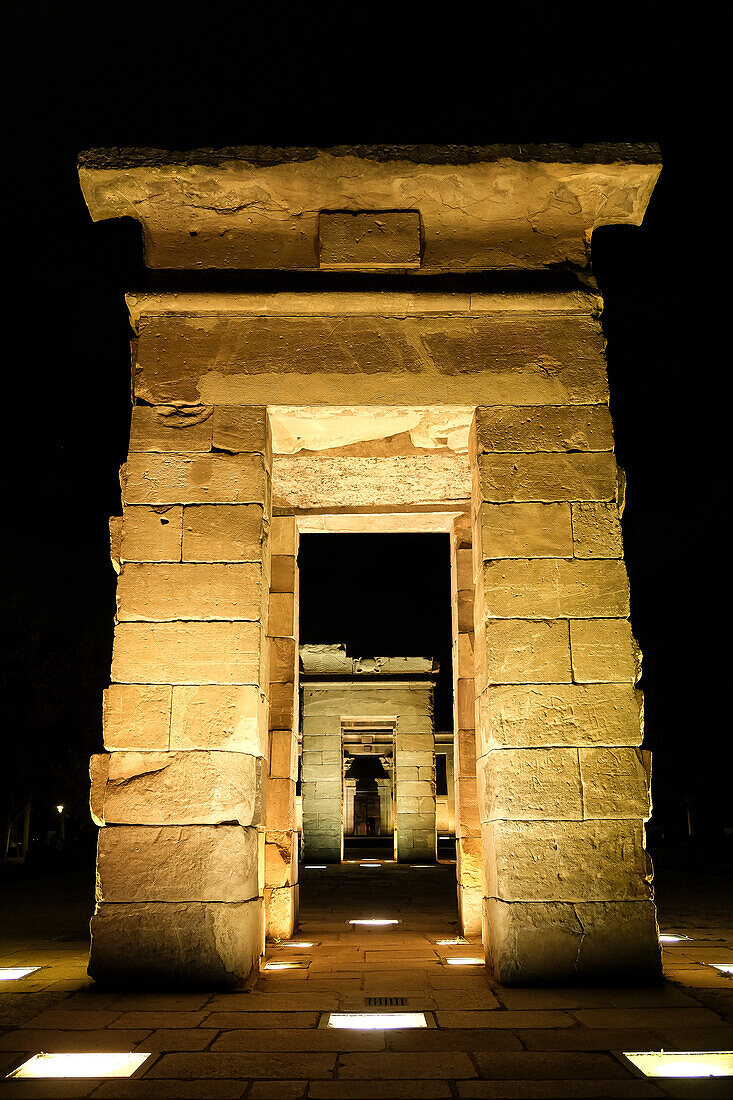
(483, 1040)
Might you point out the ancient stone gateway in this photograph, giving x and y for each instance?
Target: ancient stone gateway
(471, 407)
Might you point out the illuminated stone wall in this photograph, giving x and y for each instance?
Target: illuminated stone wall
(281, 840)
(563, 785)
(179, 794)
(468, 824)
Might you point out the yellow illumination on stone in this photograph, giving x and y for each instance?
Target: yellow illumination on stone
(376, 1021)
(688, 1063)
(454, 942)
(672, 937)
(298, 943)
(473, 961)
(13, 973)
(95, 1064)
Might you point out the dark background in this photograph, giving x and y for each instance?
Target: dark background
(176, 76)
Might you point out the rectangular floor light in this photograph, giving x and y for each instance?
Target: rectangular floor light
(273, 964)
(452, 942)
(473, 961)
(13, 973)
(672, 937)
(373, 922)
(376, 1021)
(724, 968)
(687, 1063)
(80, 1065)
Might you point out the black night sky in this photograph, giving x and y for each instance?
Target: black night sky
(83, 75)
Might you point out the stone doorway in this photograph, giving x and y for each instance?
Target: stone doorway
(368, 792)
(478, 411)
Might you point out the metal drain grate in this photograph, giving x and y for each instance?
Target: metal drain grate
(384, 1002)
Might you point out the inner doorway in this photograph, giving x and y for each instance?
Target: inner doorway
(368, 792)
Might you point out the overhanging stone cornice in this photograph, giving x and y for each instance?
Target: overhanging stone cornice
(481, 208)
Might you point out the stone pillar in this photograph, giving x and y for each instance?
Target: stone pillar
(179, 792)
(414, 784)
(563, 787)
(468, 824)
(281, 847)
(322, 779)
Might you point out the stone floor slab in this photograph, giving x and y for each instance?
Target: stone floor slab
(440, 1066)
(191, 1067)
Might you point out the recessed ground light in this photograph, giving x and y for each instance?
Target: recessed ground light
(80, 1065)
(687, 1063)
(378, 865)
(314, 866)
(672, 937)
(376, 1021)
(473, 961)
(725, 968)
(451, 943)
(373, 921)
(444, 838)
(273, 964)
(422, 866)
(297, 943)
(13, 973)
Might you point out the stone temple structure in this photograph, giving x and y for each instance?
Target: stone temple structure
(469, 403)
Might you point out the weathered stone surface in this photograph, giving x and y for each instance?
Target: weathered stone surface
(597, 531)
(281, 857)
(115, 541)
(604, 651)
(98, 773)
(168, 428)
(464, 759)
(465, 702)
(548, 428)
(280, 805)
(137, 716)
(523, 531)
(283, 754)
(522, 651)
(462, 572)
(180, 788)
(559, 714)
(281, 907)
(552, 588)
(283, 705)
(219, 717)
(283, 660)
(196, 479)
(283, 573)
(615, 783)
(406, 701)
(560, 944)
(188, 653)
(282, 621)
(310, 480)
(242, 430)
(224, 532)
(158, 944)
(284, 535)
(375, 358)
(481, 208)
(175, 864)
(530, 785)
(368, 241)
(185, 591)
(545, 477)
(565, 860)
(151, 533)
